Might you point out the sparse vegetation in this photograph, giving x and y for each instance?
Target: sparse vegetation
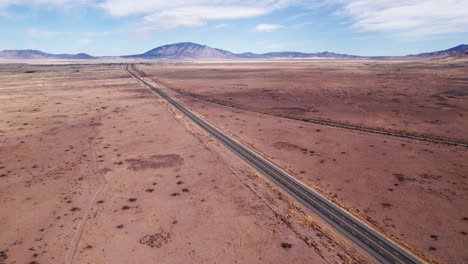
(3, 256)
(155, 162)
(386, 205)
(286, 245)
(156, 240)
(402, 178)
(354, 165)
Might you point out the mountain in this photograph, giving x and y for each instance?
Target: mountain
(194, 51)
(189, 50)
(184, 50)
(36, 54)
(458, 50)
(290, 54)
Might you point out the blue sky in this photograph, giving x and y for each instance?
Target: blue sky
(117, 27)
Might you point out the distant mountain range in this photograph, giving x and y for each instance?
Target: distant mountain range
(189, 50)
(291, 54)
(193, 51)
(36, 54)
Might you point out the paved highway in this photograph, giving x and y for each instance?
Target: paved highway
(377, 245)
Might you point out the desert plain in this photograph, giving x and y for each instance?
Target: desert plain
(96, 168)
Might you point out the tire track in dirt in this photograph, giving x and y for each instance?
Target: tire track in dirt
(92, 202)
(400, 134)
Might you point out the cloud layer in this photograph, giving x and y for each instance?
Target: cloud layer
(38, 33)
(398, 17)
(408, 17)
(46, 3)
(126, 7)
(267, 27)
(166, 15)
(196, 16)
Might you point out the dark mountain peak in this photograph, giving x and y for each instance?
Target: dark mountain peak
(181, 44)
(185, 50)
(458, 50)
(461, 47)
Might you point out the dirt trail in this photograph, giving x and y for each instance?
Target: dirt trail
(102, 184)
(332, 123)
(445, 140)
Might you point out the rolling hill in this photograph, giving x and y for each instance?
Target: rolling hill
(36, 54)
(194, 51)
(458, 50)
(189, 50)
(184, 50)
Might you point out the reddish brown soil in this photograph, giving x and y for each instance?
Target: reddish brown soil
(416, 192)
(89, 143)
(418, 97)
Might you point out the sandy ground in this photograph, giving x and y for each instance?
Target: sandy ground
(421, 97)
(95, 169)
(415, 192)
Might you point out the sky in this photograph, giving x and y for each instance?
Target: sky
(122, 27)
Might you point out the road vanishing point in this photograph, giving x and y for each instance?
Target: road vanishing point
(382, 248)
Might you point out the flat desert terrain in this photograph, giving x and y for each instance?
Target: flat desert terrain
(96, 168)
(422, 97)
(415, 192)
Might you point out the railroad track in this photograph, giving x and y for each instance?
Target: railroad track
(373, 242)
(381, 131)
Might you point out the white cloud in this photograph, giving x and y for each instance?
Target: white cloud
(85, 41)
(46, 3)
(127, 7)
(195, 16)
(397, 17)
(408, 17)
(267, 27)
(299, 25)
(273, 47)
(38, 33)
(219, 26)
(162, 15)
(296, 17)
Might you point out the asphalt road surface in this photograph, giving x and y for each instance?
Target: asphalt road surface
(376, 244)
